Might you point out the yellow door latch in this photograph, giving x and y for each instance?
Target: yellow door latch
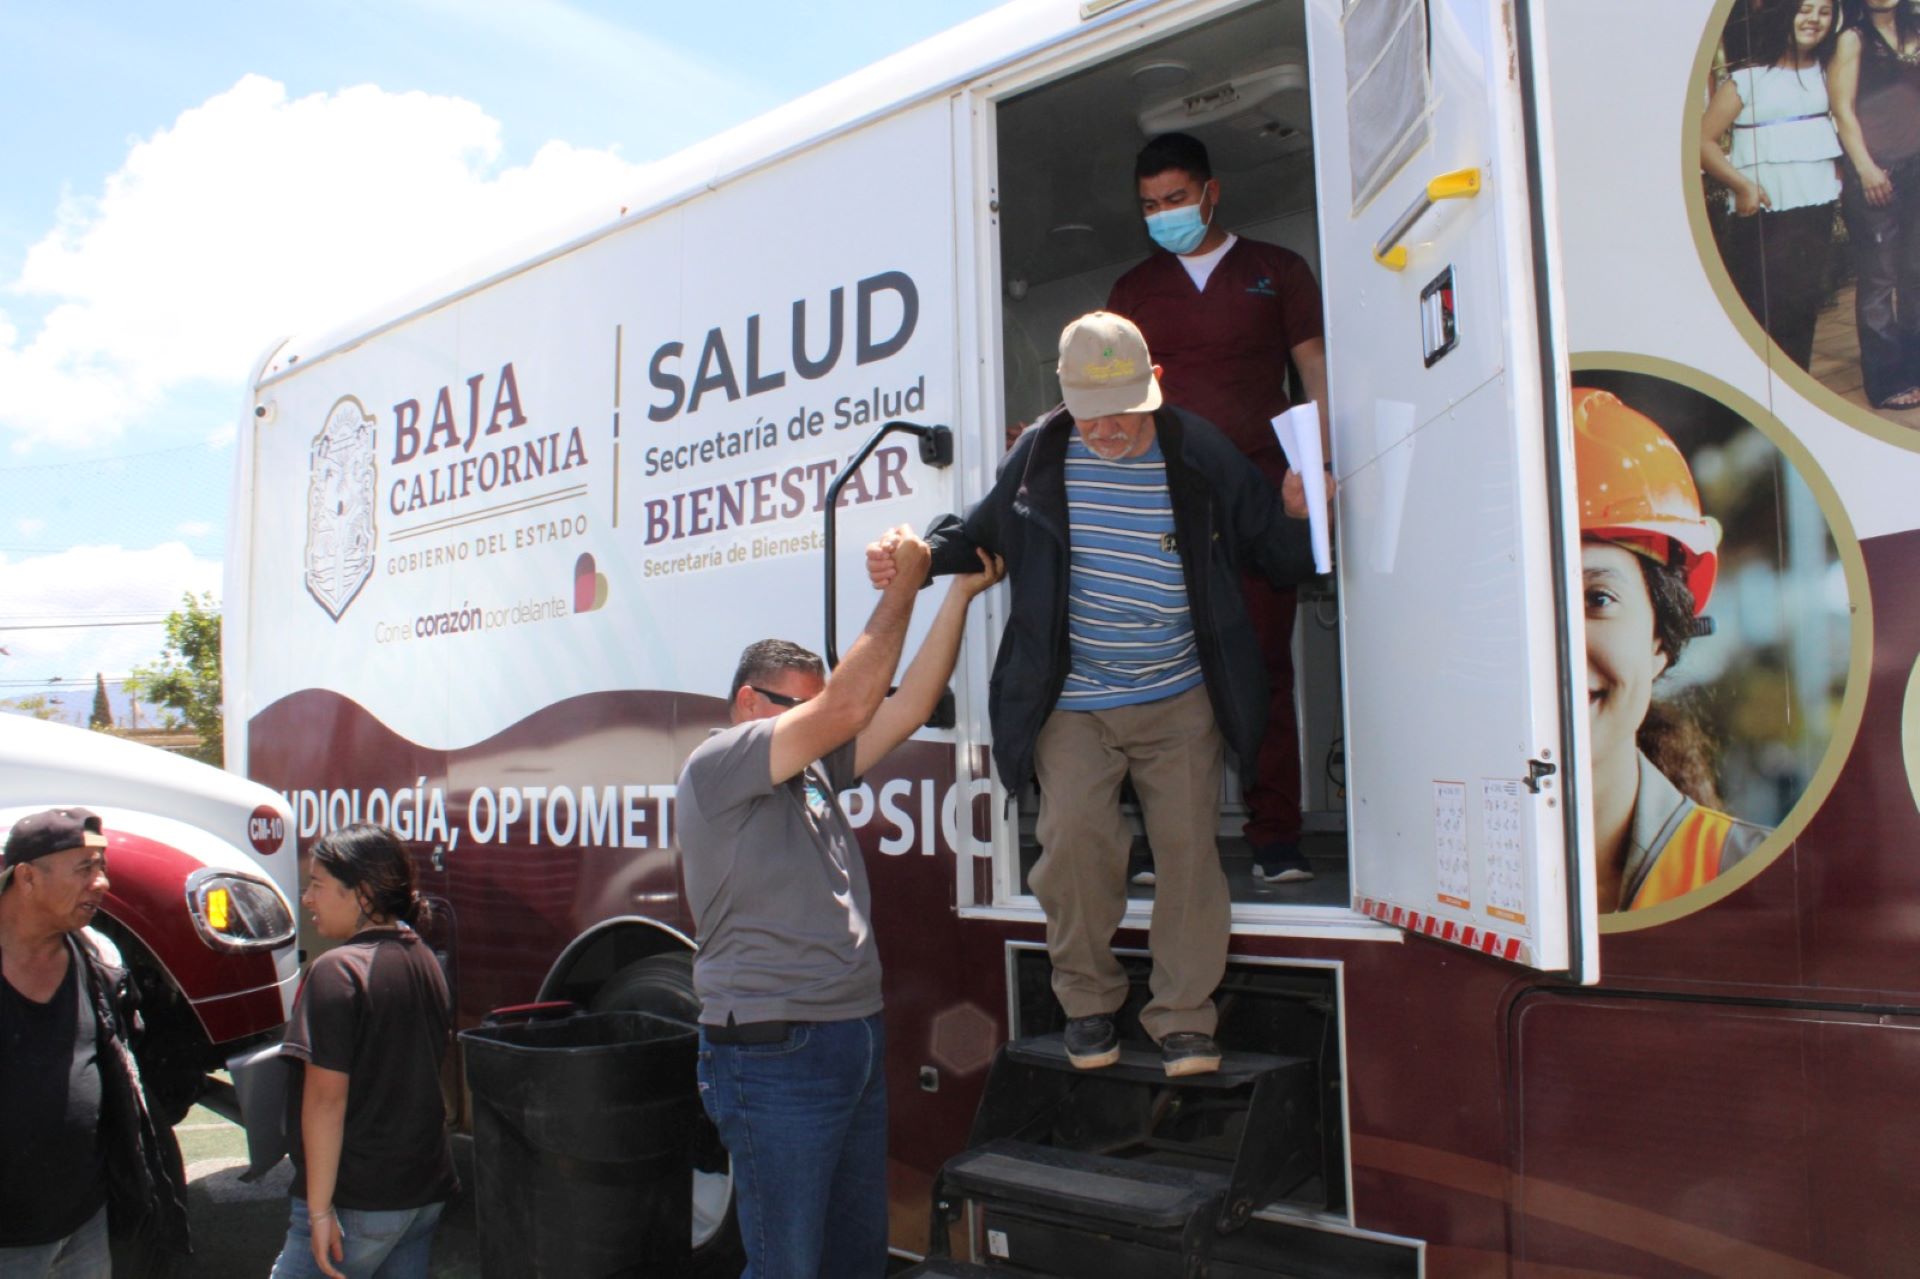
(1461, 184)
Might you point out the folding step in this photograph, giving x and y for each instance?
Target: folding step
(1123, 1192)
(1253, 1123)
(1140, 1063)
(948, 1268)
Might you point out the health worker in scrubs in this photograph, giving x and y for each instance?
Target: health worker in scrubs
(1225, 317)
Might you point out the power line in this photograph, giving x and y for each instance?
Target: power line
(61, 548)
(63, 684)
(107, 617)
(176, 450)
(78, 626)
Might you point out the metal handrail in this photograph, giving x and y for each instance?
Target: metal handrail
(936, 449)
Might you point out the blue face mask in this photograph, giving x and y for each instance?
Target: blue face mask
(1178, 230)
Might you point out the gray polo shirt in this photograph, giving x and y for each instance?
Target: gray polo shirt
(776, 883)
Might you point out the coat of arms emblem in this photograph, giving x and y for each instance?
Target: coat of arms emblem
(340, 504)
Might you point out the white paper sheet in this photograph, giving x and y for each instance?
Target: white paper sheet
(1503, 825)
(1298, 430)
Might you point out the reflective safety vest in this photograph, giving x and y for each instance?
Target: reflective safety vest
(1676, 845)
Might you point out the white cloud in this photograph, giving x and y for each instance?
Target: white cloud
(253, 216)
(194, 528)
(99, 584)
(29, 526)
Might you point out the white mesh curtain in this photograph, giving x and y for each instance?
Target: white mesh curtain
(1389, 95)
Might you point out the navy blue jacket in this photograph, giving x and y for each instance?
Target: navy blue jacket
(1227, 520)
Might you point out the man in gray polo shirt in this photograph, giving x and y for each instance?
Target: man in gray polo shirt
(791, 1048)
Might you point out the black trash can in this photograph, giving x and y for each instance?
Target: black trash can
(583, 1136)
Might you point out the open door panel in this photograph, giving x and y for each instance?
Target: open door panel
(1447, 409)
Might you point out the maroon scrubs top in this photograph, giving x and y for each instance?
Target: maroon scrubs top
(1224, 351)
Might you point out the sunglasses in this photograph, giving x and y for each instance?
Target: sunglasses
(778, 699)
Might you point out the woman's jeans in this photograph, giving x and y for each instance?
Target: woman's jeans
(805, 1121)
(1886, 267)
(379, 1245)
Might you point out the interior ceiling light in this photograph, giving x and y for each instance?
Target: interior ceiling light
(1161, 77)
(1227, 98)
(1071, 228)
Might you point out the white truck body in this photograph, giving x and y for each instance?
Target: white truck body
(496, 551)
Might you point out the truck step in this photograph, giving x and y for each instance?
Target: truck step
(947, 1268)
(1119, 1191)
(1140, 1063)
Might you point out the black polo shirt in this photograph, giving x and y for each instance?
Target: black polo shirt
(376, 1009)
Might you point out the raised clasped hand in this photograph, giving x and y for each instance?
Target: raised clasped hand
(911, 555)
(898, 551)
(880, 562)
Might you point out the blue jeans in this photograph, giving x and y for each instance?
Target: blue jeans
(379, 1245)
(81, 1255)
(805, 1120)
(1886, 289)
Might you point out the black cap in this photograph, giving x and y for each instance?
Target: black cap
(53, 831)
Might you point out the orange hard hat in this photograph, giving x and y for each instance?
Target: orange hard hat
(1636, 488)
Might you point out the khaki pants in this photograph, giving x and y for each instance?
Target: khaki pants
(1173, 750)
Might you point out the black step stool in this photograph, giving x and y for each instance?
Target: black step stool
(1123, 1171)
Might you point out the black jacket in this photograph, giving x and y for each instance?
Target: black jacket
(1220, 503)
(146, 1187)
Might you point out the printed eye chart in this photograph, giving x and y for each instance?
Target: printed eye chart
(1455, 864)
(1503, 812)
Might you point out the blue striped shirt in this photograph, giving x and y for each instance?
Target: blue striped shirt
(1129, 631)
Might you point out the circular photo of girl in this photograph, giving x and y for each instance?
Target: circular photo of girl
(1810, 149)
(1717, 634)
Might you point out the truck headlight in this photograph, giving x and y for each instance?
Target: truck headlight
(238, 912)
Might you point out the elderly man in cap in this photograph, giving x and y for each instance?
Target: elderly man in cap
(72, 1119)
(1125, 524)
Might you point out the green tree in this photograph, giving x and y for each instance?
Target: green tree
(38, 705)
(186, 679)
(102, 716)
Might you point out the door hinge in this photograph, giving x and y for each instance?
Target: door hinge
(1537, 771)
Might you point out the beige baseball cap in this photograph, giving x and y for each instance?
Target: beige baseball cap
(1105, 368)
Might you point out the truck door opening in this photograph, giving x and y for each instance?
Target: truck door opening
(1398, 148)
(1070, 225)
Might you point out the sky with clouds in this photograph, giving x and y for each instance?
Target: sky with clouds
(188, 182)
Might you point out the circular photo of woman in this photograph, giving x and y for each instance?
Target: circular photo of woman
(1717, 633)
(1810, 153)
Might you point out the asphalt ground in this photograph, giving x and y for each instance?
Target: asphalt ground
(238, 1227)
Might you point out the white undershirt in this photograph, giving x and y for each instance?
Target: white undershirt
(1200, 265)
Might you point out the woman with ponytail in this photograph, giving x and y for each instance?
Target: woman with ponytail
(370, 1028)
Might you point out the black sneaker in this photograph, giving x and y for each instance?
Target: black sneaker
(1188, 1052)
(1091, 1042)
(1280, 864)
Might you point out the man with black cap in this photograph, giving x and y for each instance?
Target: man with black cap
(72, 1118)
(1125, 523)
